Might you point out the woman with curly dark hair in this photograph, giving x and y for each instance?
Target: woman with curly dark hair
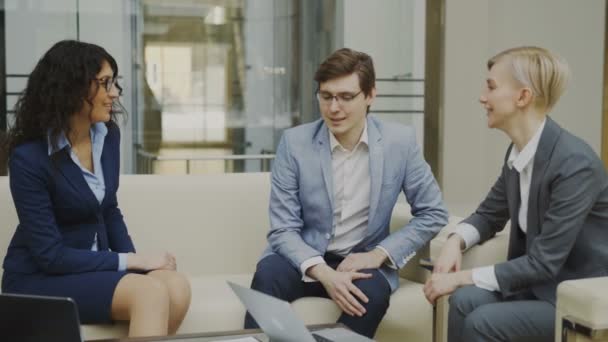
(71, 241)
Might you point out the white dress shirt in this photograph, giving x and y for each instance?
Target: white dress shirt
(523, 162)
(351, 187)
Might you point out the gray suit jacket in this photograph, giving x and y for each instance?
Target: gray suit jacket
(301, 198)
(567, 235)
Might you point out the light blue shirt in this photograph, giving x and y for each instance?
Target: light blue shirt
(95, 180)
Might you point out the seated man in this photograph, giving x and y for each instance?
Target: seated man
(335, 182)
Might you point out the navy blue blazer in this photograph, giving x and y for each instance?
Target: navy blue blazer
(59, 215)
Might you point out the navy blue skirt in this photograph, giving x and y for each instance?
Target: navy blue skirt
(92, 291)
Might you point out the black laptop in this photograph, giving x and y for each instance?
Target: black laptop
(29, 318)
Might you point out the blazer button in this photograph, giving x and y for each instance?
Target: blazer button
(328, 236)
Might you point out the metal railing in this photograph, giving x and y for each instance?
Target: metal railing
(396, 80)
(15, 94)
(146, 160)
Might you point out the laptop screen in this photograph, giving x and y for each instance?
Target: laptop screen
(35, 318)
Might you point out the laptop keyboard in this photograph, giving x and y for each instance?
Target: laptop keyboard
(319, 338)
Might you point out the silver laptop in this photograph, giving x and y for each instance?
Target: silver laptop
(28, 318)
(278, 320)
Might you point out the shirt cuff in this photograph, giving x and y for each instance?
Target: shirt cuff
(389, 261)
(485, 278)
(468, 233)
(122, 261)
(308, 264)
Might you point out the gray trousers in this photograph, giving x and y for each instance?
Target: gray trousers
(480, 315)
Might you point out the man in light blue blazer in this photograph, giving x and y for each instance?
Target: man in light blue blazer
(335, 182)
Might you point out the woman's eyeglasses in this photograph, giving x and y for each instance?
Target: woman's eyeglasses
(107, 82)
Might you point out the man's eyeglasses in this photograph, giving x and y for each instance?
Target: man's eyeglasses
(326, 98)
(107, 83)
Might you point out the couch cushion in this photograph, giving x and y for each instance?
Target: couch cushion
(409, 316)
(103, 331)
(199, 218)
(216, 308)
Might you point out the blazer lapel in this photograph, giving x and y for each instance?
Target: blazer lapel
(513, 195)
(545, 147)
(73, 175)
(107, 165)
(517, 241)
(376, 167)
(324, 150)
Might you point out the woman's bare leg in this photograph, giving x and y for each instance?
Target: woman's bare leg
(145, 302)
(178, 287)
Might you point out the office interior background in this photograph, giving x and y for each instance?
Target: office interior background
(210, 85)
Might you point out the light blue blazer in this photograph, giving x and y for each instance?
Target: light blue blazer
(302, 203)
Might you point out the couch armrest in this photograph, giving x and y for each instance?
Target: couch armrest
(582, 310)
(412, 271)
(489, 253)
(440, 319)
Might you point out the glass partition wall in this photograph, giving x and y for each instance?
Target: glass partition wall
(210, 85)
(219, 81)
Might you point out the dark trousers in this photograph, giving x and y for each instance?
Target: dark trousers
(275, 276)
(480, 315)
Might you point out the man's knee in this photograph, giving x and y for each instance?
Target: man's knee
(273, 271)
(377, 290)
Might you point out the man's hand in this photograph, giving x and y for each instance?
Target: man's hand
(340, 288)
(151, 262)
(442, 284)
(359, 261)
(450, 257)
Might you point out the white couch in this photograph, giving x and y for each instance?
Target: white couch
(216, 226)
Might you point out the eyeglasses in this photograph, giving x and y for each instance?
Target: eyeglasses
(107, 82)
(326, 98)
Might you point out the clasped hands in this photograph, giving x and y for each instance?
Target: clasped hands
(339, 282)
(151, 261)
(447, 275)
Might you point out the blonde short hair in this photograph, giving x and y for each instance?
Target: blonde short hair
(541, 70)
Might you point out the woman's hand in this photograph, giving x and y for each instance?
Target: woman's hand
(441, 284)
(450, 257)
(151, 261)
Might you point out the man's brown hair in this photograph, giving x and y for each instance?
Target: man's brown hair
(344, 62)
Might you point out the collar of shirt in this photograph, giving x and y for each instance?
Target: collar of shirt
(519, 160)
(98, 134)
(334, 143)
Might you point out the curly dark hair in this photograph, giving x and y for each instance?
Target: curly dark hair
(57, 88)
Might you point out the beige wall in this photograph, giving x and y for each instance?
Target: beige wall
(477, 29)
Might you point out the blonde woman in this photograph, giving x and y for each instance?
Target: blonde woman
(553, 188)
